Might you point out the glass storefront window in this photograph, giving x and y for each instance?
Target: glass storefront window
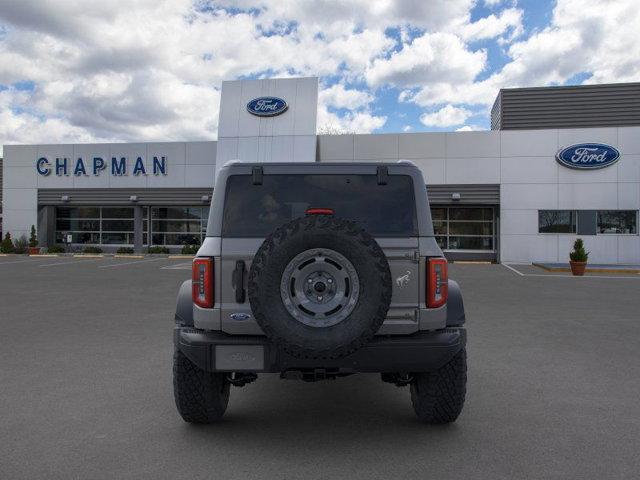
(178, 225)
(464, 228)
(618, 221)
(95, 225)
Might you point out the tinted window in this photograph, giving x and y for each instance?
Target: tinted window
(556, 221)
(617, 221)
(256, 210)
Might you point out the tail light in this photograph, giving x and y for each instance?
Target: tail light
(437, 282)
(319, 211)
(202, 282)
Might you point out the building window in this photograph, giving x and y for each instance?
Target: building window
(618, 221)
(95, 225)
(557, 221)
(178, 225)
(463, 228)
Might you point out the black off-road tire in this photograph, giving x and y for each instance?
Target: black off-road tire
(438, 397)
(349, 240)
(201, 397)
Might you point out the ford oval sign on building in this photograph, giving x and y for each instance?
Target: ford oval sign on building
(267, 106)
(588, 156)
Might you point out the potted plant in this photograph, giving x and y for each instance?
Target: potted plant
(33, 242)
(578, 258)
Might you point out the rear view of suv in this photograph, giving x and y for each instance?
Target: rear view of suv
(317, 271)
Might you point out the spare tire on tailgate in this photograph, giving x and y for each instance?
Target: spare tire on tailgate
(320, 287)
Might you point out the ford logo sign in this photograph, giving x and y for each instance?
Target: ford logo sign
(588, 156)
(240, 317)
(267, 106)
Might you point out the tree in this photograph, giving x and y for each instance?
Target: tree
(7, 244)
(33, 238)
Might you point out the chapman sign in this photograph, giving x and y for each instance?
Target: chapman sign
(588, 156)
(267, 106)
(96, 165)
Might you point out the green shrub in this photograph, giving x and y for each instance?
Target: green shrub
(7, 244)
(158, 249)
(92, 249)
(579, 254)
(55, 249)
(33, 238)
(125, 251)
(190, 249)
(21, 244)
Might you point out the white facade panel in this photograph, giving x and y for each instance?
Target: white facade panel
(519, 222)
(199, 176)
(529, 170)
(528, 248)
(570, 136)
(20, 156)
(473, 170)
(529, 143)
(528, 196)
(200, 153)
(21, 177)
(587, 196)
(473, 144)
(375, 147)
(629, 140)
(433, 169)
(628, 248)
(422, 145)
(603, 175)
(629, 168)
(628, 196)
(335, 147)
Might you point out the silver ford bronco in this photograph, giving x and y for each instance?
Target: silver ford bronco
(317, 271)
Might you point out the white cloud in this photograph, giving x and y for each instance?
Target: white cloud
(469, 128)
(509, 20)
(338, 96)
(407, 128)
(151, 69)
(447, 116)
(433, 57)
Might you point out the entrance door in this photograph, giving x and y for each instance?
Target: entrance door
(466, 232)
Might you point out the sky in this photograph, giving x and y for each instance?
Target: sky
(77, 71)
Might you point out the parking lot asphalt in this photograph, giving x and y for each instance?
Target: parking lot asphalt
(85, 386)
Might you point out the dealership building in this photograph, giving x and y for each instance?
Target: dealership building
(559, 163)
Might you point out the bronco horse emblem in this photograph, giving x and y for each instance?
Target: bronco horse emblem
(403, 280)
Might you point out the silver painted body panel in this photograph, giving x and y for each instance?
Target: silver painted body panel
(406, 256)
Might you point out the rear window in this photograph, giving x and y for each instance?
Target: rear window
(256, 210)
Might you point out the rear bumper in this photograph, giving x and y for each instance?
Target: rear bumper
(420, 352)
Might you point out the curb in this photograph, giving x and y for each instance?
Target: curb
(589, 270)
(123, 255)
(184, 257)
(88, 255)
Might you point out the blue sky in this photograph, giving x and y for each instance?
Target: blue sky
(77, 71)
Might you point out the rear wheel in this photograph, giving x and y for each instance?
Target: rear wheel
(438, 397)
(201, 397)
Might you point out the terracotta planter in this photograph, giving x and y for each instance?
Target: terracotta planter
(34, 250)
(578, 268)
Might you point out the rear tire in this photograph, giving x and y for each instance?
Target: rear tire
(201, 397)
(438, 397)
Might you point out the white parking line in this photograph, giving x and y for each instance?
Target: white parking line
(179, 266)
(621, 277)
(129, 263)
(513, 269)
(69, 263)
